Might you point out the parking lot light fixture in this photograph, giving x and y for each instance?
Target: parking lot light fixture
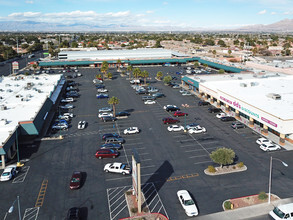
(12, 207)
(270, 178)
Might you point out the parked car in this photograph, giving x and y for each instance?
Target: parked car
(158, 95)
(121, 114)
(106, 109)
(153, 90)
(214, 110)
(186, 93)
(114, 140)
(176, 87)
(201, 103)
(102, 90)
(175, 128)
(187, 203)
(111, 146)
(59, 126)
(263, 141)
(269, 147)
(102, 96)
(68, 114)
(73, 214)
(141, 91)
(144, 98)
(67, 106)
(117, 168)
(228, 118)
(237, 125)
(108, 135)
(9, 173)
(106, 153)
(131, 130)
(81, 125)
(221, 114)
(172, 109)
(149, 102)
(166, 106)
(75, 180)
(191, 125)
(182, 90)
(179, 113)
(196, 130)
(103, 114)
(108, 118)
(170, 120)
(69, 99)
(100, 86)
(64, 117)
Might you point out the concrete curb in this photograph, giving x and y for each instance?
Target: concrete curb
(244, 168)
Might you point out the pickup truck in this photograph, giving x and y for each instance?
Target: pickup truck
(117, 168)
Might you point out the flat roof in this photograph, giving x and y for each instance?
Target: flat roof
(21, 98)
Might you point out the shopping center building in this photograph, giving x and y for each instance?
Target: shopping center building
(263, 102)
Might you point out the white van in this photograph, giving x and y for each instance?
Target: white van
(282, 212)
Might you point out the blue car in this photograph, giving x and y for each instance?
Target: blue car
(102, 96)
(100, 86)
(111, 146)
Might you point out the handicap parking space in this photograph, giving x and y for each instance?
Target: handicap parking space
(20, 177)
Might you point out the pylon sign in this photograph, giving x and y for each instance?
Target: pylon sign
(136, 179)
(15, 65)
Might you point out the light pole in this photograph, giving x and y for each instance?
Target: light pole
(10, 210)
(270, 178)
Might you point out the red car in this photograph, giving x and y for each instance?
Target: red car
(170, 120)
(75, 180)
(107, 153)
(178, 113)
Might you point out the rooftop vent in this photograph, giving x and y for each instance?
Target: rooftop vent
(243, 85)
(239, 78)
(3, 107)
(3, 121)
(274, 96)
(253, 83)
(231, 75)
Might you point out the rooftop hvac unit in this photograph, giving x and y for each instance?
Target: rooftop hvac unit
(202, 80)
(231, 75)
(243, 85)
(239, 78)
(3, 121)
(274, 96)
(253, 83)
(3, 107)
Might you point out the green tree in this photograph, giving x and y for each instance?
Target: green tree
(223, 156)
(129, 69)
(104, 68)
(113, 101)
(74, 44)
(35, 66)
(159, 75)
(118, 64)
(136, 73)
(196, 64)
(221, 71)
(214, 53)
(167, 79)
(109, 75)
(229, 52)
(145, 74)
(222, 43)
(205, 66)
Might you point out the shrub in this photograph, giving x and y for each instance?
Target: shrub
(128, 193)
(262, 196)
(211, 169)
(134, 210)
(227, 205)
(240, 164)
(234, 167)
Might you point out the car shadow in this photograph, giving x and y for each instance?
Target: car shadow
(83, 179)
(83, 213)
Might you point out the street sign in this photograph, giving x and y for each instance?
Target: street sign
(15, 65)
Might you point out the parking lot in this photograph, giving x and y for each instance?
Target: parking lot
(170, 161)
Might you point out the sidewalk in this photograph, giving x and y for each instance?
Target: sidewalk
(245, 213)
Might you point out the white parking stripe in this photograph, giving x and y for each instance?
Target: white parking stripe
(203, 162)
(198, 156)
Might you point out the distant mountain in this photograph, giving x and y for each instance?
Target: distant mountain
(285, 25)
(32, 26)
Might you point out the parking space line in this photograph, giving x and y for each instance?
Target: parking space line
(21, 176)
(145, 159)
(137, 148)
(198, 156)
(203, 162)
(185, 176)
(188, 145)
(134, 143)
(42, 193)
(118, 178)
(120, 210)
(143, 167)
(200, 149)
(31, 213)
(118, 193)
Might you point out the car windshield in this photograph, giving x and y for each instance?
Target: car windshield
(6, 174)
(189, 202)
(278, 212)
(75, 180)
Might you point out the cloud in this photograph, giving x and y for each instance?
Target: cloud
(262, 12)
(273, 13)
(150, 12)
(29, 2)
(165, 3)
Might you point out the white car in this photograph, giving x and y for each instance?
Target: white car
(8, 173)
(117, 168)
(186, 93)
(269, 147)
(175, 128)
(182, 90)
(70, 99)
(221, 114)
(81, 125)
(131, 130)
(187, 203)
(102, 90)
(103, 114)
(196, 130)
(167, 106)
(149, 102)
(263, 141)
(68, 114)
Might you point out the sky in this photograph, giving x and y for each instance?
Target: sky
(206, 14)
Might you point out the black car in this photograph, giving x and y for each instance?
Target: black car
(73, 214)
(237, 125)
(172, 109)
(120, 114)
(99, 86)
(200, 103)
(108, 118)
(140, 92)
(214, 110)
(105, 136)
(144, 98)
(158, 95)
(228, 118)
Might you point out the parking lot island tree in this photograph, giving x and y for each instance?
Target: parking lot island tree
(144, 74)
(113, 101)
(136, 73)
(118, 64)
(167, 79)
(196, 64)
(223, 156)
(109, 75)
(129, 69)
(159, 75)
(104, 68)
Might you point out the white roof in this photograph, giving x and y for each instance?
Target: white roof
(21, 98)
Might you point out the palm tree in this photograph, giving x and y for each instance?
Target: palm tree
(109, 75)
(113, 101)
(159, 75)
(205, 66)
(144, 74)
(136, 73)
(35, 67)
(118, 63)
(104, 68)
(196, 64)
(129, 69)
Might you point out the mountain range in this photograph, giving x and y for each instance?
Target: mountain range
(283, 26)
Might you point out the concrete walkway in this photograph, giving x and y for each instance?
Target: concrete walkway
(246, 212)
